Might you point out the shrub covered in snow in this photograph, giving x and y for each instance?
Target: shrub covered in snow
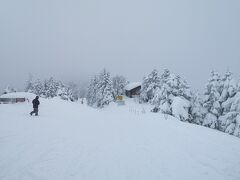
(180, 108)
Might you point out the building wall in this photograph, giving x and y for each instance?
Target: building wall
(11, 100)
(133, 92)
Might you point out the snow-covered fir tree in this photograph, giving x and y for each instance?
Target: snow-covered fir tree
(149, 85)
(37, 88)
(197, 111)
(92, 91)
(100, 90)
(222, 99)
(51, 88)
(212, 101)
(29, 83)
(75, 90)
(173, 96)
(65, 92)
(160, 100)
(229, 88)
(104, 93)
(229, 121)
(119, 83)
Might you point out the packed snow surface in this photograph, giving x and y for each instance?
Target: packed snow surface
(75, 142)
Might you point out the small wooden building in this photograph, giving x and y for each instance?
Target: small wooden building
(11, 100)
(17, 97)
(133, 89)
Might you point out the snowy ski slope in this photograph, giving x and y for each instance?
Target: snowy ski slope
(71, 141)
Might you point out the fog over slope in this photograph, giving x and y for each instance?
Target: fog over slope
(72, 39)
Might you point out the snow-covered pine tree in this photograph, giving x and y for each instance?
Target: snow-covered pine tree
(104, 94)
(179, 87)
(149, 85)
(29, 83)
(229, 122)
(70, 94)
(180, 98)
(160, 100)
(173, 97)
(119, 83)
(38, 88)
(229, 89)
(51, 87)
(75, 90)
(230, 106)
(197, 111)
(92, 91)
(212, 101)
(64, 92)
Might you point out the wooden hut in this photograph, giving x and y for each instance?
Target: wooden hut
(133, 89)
(11, 100)
(17, 97)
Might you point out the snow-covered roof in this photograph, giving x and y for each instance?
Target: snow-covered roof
(19, 95)
(132, 85)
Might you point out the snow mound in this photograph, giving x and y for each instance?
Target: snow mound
(180, 108)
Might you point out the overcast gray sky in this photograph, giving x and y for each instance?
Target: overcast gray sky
(73, 39)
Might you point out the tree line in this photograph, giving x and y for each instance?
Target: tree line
(49, 88)
(217, 108)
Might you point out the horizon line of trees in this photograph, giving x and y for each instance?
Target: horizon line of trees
(103, 89)
(49, 88)
(217, 108)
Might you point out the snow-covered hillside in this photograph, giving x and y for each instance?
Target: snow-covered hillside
(73, 141)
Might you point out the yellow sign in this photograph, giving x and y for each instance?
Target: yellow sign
(119, 98)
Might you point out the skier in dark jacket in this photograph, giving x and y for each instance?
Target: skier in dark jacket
(35, 103)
